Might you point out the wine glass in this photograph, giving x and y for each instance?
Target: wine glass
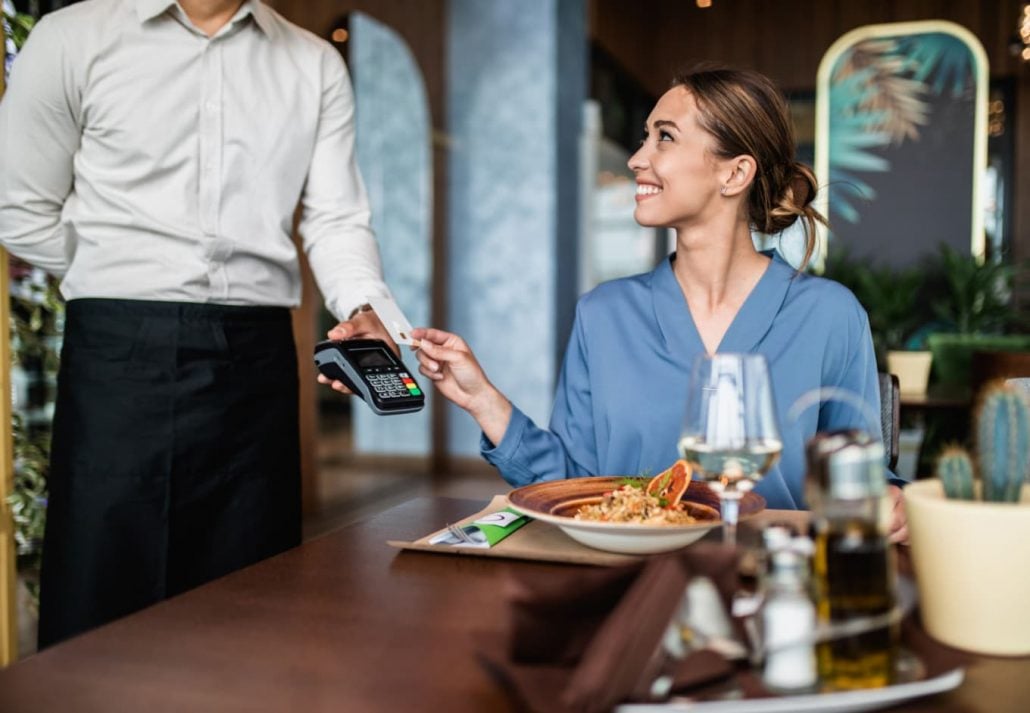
(730, 435)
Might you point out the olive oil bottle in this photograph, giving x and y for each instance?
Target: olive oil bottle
(853, 566)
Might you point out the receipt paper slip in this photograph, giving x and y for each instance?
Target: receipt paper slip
(486, 531)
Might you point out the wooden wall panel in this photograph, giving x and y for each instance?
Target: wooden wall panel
(785, 40)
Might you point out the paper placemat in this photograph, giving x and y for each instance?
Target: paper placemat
(535, 540)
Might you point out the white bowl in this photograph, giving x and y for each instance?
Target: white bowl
(556, 501)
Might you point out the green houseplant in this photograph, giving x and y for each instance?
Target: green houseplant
(894, 300)
(971, 301)
(956, 524)
(35, 328)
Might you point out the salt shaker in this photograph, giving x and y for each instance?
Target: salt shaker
(788, 618)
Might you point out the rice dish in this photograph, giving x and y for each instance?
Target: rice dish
(632, 505)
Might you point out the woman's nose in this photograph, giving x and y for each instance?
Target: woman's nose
(638, 161)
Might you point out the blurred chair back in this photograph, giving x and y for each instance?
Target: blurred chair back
(890, 416)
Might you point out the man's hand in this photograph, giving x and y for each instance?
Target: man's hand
(897, 530)
(363, 325)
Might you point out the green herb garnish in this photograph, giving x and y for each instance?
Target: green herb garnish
(632, 482)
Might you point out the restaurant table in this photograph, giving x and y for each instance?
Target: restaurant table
(342, 623)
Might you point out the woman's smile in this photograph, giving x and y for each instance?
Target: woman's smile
(646, 191)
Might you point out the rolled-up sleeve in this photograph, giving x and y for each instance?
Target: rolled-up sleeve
(528, 453)
(40, 133)
(334, 225)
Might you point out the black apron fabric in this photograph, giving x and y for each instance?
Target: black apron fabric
(175, 455)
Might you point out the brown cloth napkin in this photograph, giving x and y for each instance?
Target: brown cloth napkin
(584, 641)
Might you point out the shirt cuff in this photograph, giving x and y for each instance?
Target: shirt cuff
(504, 451)
(343, 304)
(509, 456)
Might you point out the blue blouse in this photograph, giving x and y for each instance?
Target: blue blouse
(621, 395)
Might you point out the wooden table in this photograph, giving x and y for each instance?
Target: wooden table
(342, 623)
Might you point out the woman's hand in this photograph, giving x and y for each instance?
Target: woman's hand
(897, 530)
(447, 361)
(362, 325)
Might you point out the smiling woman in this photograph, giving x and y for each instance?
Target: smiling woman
(716, 162)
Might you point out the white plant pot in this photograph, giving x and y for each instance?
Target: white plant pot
(971, 561)
(912, 370)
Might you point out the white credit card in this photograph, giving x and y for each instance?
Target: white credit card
(393, 319)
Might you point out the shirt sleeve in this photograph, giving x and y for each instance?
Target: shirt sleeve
(528, 453)
(335, 218)
(857, 375)
(40, 132)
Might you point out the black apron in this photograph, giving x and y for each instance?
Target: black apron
(175, 454)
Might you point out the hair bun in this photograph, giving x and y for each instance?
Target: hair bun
(802, 185)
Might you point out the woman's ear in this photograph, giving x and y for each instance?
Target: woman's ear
(741, 174)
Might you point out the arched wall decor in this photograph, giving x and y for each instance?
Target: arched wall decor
(393, 150)
(901, 141)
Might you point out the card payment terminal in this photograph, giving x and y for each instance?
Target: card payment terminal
(369, 369)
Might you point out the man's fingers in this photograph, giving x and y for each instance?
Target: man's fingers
(344, 330)
(333, 384)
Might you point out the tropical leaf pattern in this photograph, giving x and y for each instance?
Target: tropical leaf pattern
(890, 92)
(942, 58)
(878, 99)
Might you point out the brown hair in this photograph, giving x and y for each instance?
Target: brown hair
(746, 114)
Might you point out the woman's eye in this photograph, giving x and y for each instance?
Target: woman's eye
(664, 136)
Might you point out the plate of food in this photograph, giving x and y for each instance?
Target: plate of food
(630, 515)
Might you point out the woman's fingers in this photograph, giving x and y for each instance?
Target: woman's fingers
(448, 354)
(898, 526)
(900, 536)
(432, 374)
(438, 337)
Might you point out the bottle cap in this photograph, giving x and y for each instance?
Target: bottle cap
(775, 537)
(846, 465)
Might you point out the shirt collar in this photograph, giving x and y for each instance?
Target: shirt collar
(749, 327)
(262, 15)
(149, 9)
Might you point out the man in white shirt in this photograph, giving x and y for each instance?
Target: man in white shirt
(153, 155)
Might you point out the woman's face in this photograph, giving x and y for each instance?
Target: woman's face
(678, 175)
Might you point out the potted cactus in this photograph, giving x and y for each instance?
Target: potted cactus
(971, 535)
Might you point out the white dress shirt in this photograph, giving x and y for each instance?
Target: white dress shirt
(143, 160)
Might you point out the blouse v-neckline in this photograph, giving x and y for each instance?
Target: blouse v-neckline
(749, 326)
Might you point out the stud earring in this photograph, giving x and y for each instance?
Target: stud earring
(722, 191)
